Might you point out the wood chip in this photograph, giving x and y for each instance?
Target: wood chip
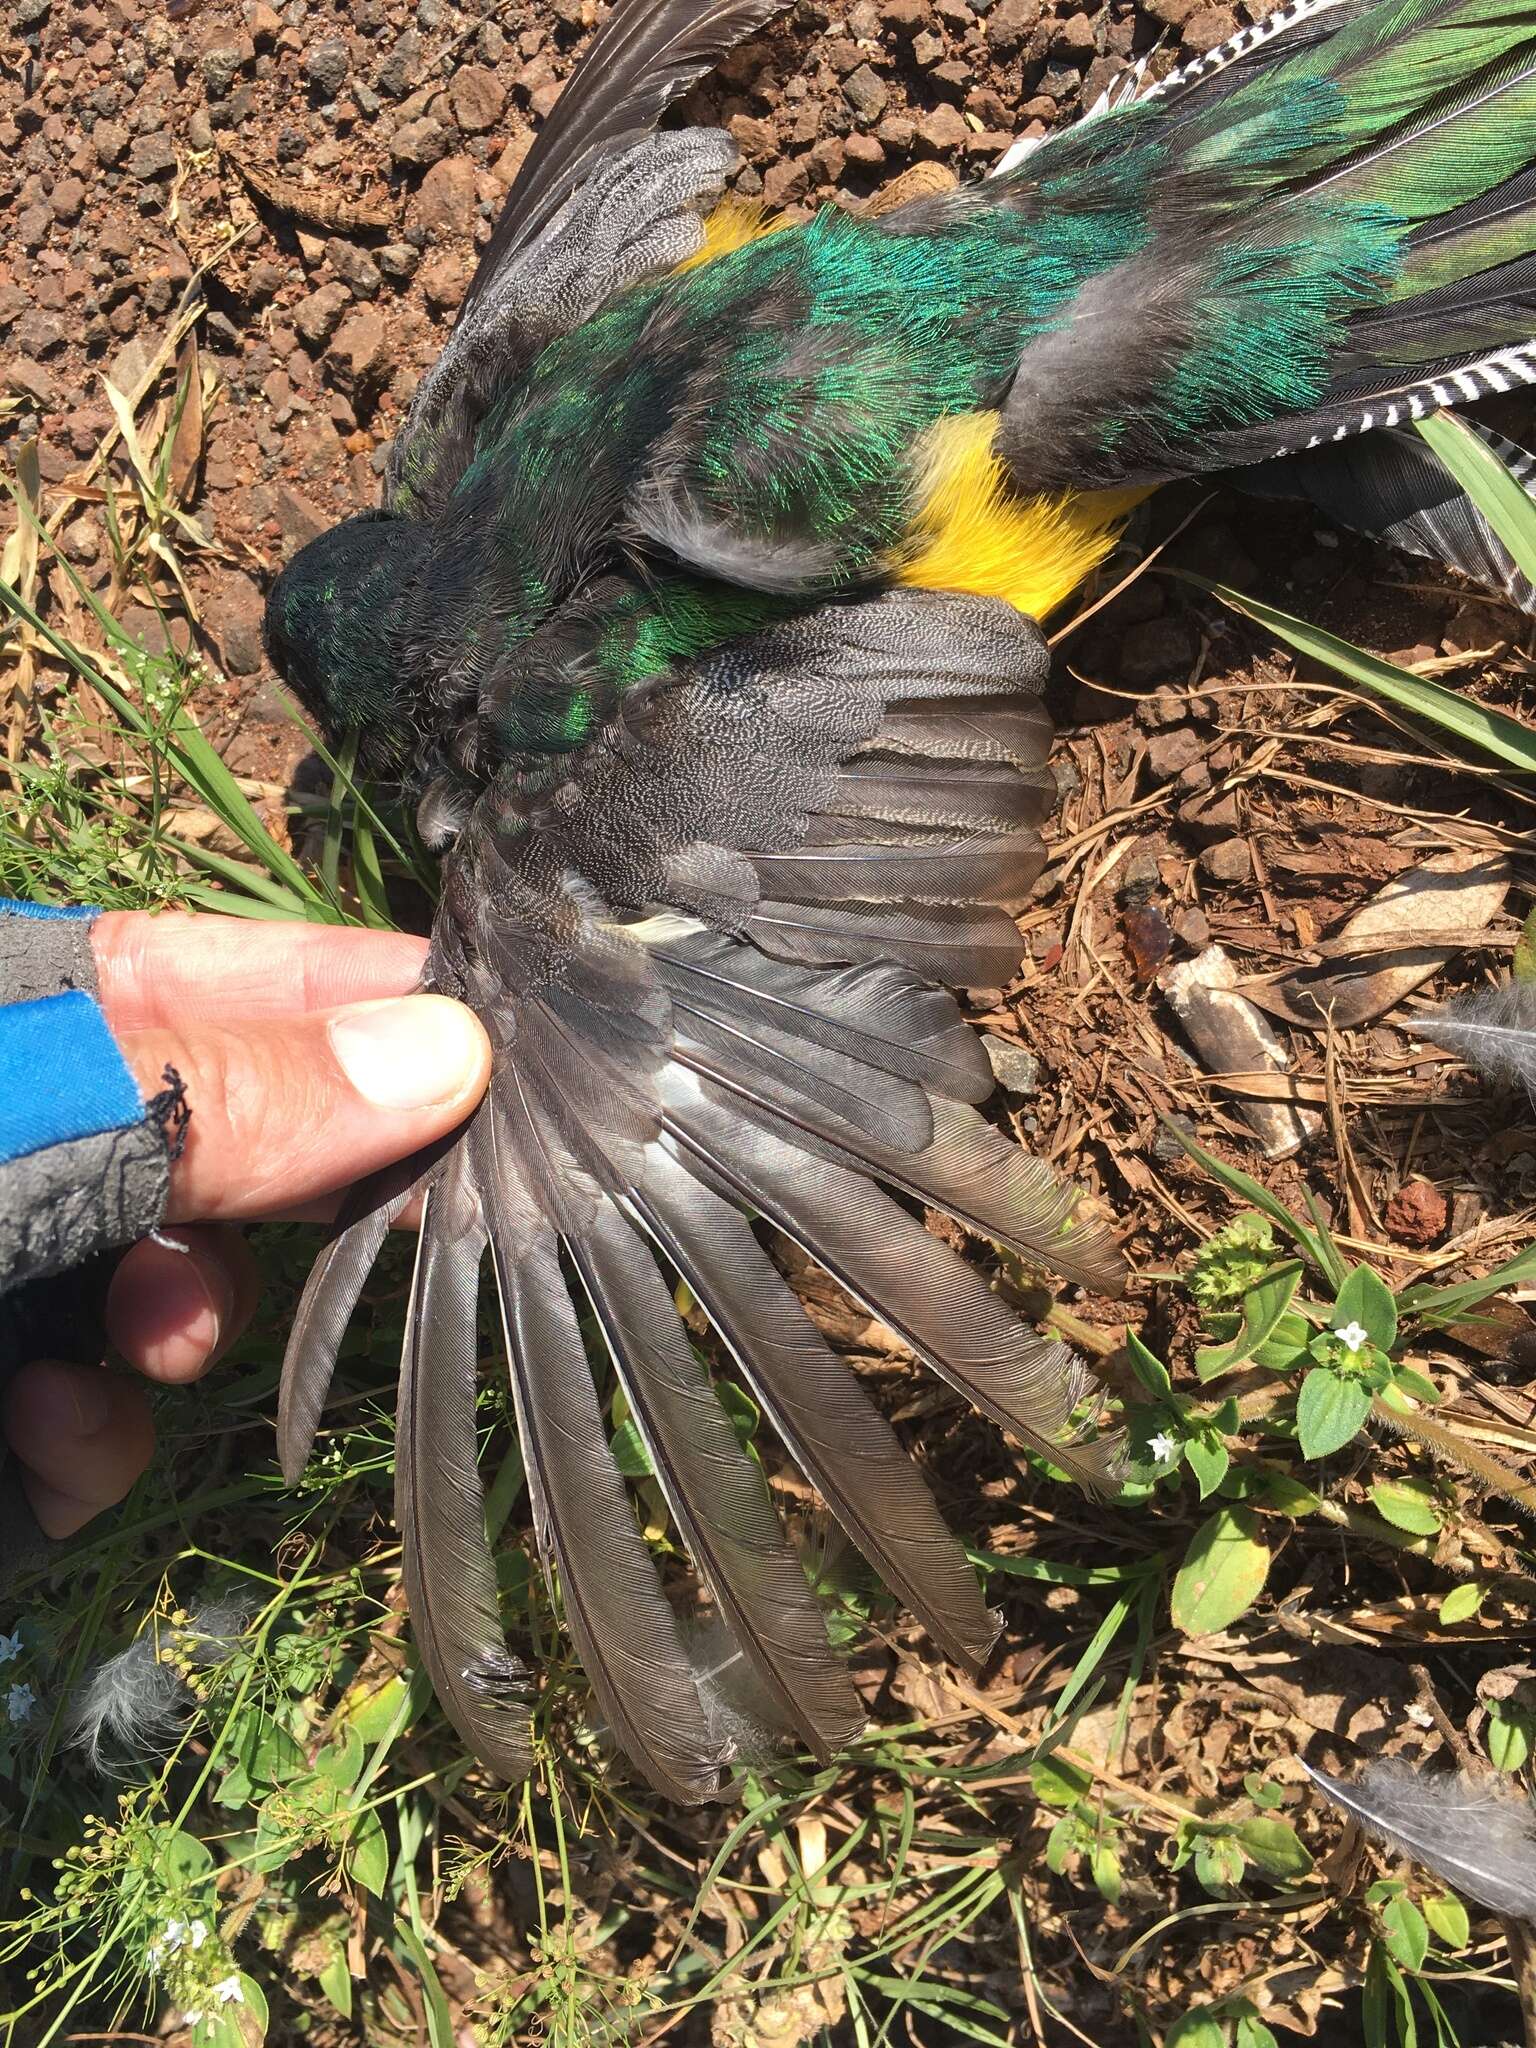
(1229, 1036)
(321, 208)
(1403, 936)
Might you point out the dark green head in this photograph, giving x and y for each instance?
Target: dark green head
(334, 630)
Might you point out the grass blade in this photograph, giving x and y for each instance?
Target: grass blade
(1474, 726)
(1497, 494)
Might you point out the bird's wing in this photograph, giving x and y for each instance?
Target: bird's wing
(707, 956)
(600, 203)
(645, 56)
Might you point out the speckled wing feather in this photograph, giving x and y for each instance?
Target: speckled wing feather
(646, 54)
(598, 205)
(705, 952)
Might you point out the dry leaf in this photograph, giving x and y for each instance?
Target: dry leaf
(1402, 937)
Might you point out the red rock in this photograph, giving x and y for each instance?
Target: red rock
(785, 181)
(942, 129)
(1207, 27)
(359, 353)
(30, 380)
(752, 136)
(1417, 1214)
(443, 281)
(478, 98)
(445, 205)
(1011, 23)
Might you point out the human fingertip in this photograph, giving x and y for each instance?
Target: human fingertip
(412, 1052)
(170, 1308)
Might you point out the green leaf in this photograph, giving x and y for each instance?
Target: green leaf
(1365, 1298)
(1060, 1843)
(1315, 1245)
(268, 1752)
(1263, 1309)
(1406, 1933)
(1523, 964)
(1448, 1921)
(341, 1760)
(1477, 729)
(1286, 1494)
(1288, 1345)
(1407, 1504)
(336, 1983)
(1497, 494)
(1198, 2029)
(1219, 1864)
(1148, 1368)
(1275, 1846)
(1223, 1572)
(1441, 1305)
(1329, 1411)
(368, 1853)
(1252, 2033)
(374, 1713)
(1509, 1736)
(743, 1410)
(1059, 1783)
(183, 1859)
(1462, 1602)
(1407, 1379)
(441, 2031)
(629, 1452)
(1209, 1459)
(1104, 1866)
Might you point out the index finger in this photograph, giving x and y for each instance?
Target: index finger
(179, 968)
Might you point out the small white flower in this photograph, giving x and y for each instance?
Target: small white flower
(1162, 1447)
(1353, 1336)
(19, 1702)
(193, 2019)
(228, 1992)
(10, 1646)
(174, 1937)
(197, 1934)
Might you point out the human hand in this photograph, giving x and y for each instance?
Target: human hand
(307, 1064)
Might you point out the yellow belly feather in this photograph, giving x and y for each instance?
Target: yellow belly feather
(971, 529)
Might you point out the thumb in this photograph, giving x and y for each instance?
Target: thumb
(287, 1110)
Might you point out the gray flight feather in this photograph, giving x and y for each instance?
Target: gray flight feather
(1478, 1838)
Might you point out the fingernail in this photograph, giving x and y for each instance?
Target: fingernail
(168, 1310)
(411, 1053)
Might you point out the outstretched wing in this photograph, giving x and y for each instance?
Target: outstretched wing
(598, 205)
(707, 956)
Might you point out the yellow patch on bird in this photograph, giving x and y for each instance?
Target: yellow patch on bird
(971, 529)
(733, 224)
